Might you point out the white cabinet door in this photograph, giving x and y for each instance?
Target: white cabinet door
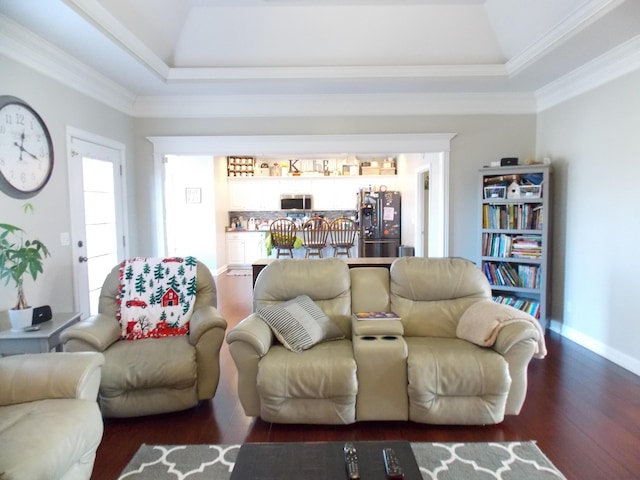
(235, 249)
(253, 194)
(254, 247)
(334, 193)
(238, 194)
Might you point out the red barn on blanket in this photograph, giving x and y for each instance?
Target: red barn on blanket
(170, 298)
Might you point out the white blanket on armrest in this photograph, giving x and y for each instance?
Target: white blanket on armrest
(482, 322)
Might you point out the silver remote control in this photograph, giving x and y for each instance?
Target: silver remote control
(391, 464)
(351, 460)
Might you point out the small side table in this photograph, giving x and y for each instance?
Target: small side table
(39, 341)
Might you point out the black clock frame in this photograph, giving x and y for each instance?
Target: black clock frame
(5, 185)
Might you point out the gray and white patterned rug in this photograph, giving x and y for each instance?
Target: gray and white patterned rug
(442, 461)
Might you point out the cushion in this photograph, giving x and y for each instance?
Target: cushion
(156, 296)
(299, 323)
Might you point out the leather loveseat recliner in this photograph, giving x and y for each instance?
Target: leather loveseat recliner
(50, 423)
(422, 368)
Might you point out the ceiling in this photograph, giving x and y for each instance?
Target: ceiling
(161, 49)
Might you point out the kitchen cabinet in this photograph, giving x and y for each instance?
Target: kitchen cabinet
(253, 194)
(329, 193)
(335, 193)
(244, 248)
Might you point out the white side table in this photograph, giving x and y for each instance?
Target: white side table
(39, 341)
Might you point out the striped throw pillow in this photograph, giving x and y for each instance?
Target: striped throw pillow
(299, 323)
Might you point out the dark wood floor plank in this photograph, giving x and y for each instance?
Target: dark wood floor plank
(583, 412)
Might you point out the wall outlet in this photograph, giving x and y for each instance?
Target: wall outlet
(65, 239)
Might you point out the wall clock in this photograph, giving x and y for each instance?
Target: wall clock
(26, 151)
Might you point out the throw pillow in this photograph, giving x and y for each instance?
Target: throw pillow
(299, 323)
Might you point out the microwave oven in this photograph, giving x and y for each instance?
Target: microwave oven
(295, 202)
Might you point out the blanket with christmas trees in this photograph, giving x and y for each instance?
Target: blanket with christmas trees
(156, 296)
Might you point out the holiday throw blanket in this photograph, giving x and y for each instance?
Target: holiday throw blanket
(156, 296)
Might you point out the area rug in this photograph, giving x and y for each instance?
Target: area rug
(441, 461)
(239, 273)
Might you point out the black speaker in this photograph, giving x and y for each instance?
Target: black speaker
(508, 161)
(41, 314)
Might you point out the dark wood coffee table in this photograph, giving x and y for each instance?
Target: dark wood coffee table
(319, 461)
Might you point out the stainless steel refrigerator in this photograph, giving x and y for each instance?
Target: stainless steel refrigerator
(379, 223)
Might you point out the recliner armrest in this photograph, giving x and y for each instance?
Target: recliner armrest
(204, 319)
(253, 331)
(42, 376)
(95, 333)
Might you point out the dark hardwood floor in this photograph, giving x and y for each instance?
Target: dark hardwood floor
(583, 412)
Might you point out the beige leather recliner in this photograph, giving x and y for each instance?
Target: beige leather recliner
(154, 375)
(50, 423)
(418, 368)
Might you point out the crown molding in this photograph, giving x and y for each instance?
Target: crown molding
(335, 72)
(103, 20)
(617, 62)
(21, 45)
(578, 20)
(334, 105)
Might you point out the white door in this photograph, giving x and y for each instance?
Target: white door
(97, 214)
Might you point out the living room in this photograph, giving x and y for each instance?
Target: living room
(585, 121)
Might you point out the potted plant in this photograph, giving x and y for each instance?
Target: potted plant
(19, 257)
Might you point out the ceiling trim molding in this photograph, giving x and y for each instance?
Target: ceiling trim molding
(578, 20)
(104, 21)
(334, 72)
(334, 105)
(22, 46)
(302, 144)
(617, 62)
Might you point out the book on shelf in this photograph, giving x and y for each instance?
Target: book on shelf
(375, 316)
(512, 216)
(502, 274)
(509, 245)
(532, 307)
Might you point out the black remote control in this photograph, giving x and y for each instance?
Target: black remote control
(351, 460)
(391, 464)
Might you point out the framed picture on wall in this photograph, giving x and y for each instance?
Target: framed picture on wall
(193, 195)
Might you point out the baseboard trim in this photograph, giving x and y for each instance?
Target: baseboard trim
(619, 358)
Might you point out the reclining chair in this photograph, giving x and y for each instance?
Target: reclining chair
(146, 376)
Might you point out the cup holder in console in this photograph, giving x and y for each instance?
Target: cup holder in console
(369, 338)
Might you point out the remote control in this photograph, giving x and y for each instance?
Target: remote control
(351, 460)
(391, 465)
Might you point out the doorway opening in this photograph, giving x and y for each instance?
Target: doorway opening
(432, 154)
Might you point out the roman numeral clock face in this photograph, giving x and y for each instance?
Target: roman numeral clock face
(26, 151)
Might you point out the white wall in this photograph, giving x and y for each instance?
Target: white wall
(59, 107)
(594, 141)
(191, 226)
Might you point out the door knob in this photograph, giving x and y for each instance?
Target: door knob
(82, 259)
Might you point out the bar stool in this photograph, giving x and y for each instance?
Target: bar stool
(342, 232)
(283, 233)
(315, 233)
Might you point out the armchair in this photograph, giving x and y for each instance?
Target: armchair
(50, 423)
(153, 375)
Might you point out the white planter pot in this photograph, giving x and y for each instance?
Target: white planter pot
(20, 319)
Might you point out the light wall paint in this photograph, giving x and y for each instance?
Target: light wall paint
(594, 142)
(60, 107)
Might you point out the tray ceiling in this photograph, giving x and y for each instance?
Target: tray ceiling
(310, 47)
